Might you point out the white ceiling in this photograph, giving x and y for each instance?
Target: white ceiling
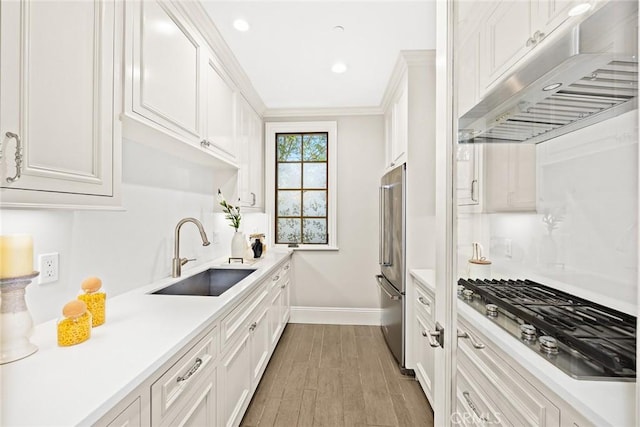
(291, 46)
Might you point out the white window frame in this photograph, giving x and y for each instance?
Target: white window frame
(273, 128)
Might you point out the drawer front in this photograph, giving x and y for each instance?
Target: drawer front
(281, 275)
(233, 324)
(171, 391)
(518, 400)
(424, 301)
(473, 405)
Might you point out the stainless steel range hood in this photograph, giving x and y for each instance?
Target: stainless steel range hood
(586, 75)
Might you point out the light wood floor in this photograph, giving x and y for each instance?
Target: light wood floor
(335, 375)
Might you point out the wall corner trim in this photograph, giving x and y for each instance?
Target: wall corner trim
(335, 315)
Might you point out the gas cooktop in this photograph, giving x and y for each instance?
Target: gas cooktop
(584, 339)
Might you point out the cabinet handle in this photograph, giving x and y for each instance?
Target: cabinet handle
(431, 336)
(474, 342)
(284, 285)
(538, 36)
(205, 143)
(253, 326)
(531, 41)
(474, 408)
(286, 267)
(424, 301)
(276, 278)
(474, 184)
(253, 199)
(191, 370)
(18, 157)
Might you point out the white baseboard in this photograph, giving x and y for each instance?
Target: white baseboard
(335, 315)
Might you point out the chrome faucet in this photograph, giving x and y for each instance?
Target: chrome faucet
(176, 268)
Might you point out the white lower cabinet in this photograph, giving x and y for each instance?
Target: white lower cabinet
(423, 352)
(211, 381)
(491, 391)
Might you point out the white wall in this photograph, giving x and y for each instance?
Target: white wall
(345, 278)
(589, 181)
(134, 247)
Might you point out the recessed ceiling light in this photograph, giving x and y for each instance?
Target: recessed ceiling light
(552, 86)
(241, 25)
(579, 9)
(339, 67)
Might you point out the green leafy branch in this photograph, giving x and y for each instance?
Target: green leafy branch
(232, 212)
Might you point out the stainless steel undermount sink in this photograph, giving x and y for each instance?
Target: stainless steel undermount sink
(211, 283)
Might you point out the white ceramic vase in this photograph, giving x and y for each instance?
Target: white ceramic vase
(238, 245)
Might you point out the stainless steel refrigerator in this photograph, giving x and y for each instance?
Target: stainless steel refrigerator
(391, 279)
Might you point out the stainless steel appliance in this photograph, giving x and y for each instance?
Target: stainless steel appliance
(588, 75)
(583, 339)
(391, 279)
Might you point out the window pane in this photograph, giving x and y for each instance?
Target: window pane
(289, 147)
(315, 147)
(315, 203)
(289, 175)
(289, 203)
(314, 231)
(315, 175)
(288, 230)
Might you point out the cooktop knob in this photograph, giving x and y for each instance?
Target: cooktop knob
(548, 345)
(492, 310)
(528, 332)
(467, 294)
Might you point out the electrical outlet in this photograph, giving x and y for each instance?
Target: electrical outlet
(48, 266)
(508, 248)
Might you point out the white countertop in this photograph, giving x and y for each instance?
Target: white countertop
(63, 386)
(601, 402)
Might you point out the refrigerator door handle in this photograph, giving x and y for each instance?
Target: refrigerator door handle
(391, 297)
(384, 256)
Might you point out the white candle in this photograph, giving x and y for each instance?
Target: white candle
(16, 255)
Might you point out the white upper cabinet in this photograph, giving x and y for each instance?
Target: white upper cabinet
(166, 70)
(514, 28)
(178, 95)
(397, 125)
(250, 145)
(469, 174)
(220, 112)
(60, 83)
(510, 177)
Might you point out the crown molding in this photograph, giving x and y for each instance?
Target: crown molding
(322, 112)
(406, 59)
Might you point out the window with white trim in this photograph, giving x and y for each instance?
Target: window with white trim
(301, 186)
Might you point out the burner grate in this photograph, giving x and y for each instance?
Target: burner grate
(605, 337)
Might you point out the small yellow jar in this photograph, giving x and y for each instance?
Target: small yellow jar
(95, 298)
(76, 325)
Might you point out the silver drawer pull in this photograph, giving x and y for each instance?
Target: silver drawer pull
(431, 336)
(474, 408)
(286, 267)
(253, 199)
(474, 342)
(424, 301)
(253, 326)
(276, 278)
(205, 143)
(284, 285)
(18, 157)
(191, 370)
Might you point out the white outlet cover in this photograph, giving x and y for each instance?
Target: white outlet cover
(48, 265)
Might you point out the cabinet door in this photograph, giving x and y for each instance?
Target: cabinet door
(507, 30)
(285, 301)
(57, 85)
(424, 356)
(260, 345)
(130, 417)
(468, 72)
(201, 408)
(548, 15)
(250, 156)
(166, 61)
(275, 314)
(400, 117)
(510, 177)
(468, 174)
(220, 122)
(235, 381)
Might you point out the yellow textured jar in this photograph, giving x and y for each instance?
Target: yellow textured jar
(95, 298)
(75, 327)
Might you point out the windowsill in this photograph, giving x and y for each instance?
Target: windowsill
(322, 248)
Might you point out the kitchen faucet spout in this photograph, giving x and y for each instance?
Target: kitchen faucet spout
(177, 262)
